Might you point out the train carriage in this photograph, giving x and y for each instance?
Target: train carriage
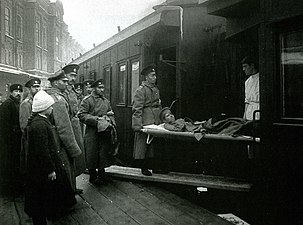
(10, 75)
(197, 46)
(276, 29)
(187, 46)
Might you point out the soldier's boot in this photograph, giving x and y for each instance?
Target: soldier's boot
(144, 167)
(102, 176)
(93, 178)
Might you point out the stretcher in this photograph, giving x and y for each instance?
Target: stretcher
(159, 131)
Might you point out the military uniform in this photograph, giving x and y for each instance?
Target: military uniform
(10, 140)
(25, 111)
(71, 97)
(94, 110)
(26, 104)
(61, 120)
(146, 110)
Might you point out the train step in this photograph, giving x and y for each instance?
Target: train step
(213, 182)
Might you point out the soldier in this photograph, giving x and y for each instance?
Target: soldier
(10, 139)
(71, 97)
(88, 88)
(33, 86)
(79, 92)
(146, 110)
(61, 119)
(100, 134)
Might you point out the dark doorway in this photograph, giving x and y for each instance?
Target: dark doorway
(167, 75)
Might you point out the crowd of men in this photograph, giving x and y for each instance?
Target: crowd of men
(81, 129)
(87, 144)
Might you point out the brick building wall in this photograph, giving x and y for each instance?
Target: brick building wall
(34, 37)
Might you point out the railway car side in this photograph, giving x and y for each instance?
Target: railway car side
(185, 43)
(277, 32)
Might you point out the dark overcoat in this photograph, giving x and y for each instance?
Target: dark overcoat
(64, 127)
(10, 141)
(97, 144)
(45, 155)
(146, 110)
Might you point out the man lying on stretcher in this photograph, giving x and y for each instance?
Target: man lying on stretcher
(170, 123)
(228, 126)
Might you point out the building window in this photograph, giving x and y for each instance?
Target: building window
(19, 28)
(8, 57)
(38, 38)
(122, 78)
(57, 50)
(81, 78)
(291, 67)
(20, 60)
(107, 81)
(38, 60)
(7, 20)
(92, 75)
(135, 76)
(44, 37)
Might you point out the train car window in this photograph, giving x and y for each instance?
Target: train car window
(122, 78)
(107, 81)
(135, 77)
(291, 71)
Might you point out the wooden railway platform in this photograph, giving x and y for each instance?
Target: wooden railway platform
(118, 202)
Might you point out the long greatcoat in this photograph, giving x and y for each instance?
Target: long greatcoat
(72, 99)
(25, 111)
(10, 141)
(97, 144)
(64, 127)
(146, 110)
(45, 155)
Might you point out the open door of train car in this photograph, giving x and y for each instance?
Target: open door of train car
(280, 47)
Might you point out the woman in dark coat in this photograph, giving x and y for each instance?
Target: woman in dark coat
(48, 190)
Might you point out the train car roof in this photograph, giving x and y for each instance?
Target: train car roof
(148, 21)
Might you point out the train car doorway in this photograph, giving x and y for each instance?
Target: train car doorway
(166, 79)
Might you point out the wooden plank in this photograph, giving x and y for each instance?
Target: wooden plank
(84, 214)
(202, 215)
(137, 211)
(161, 207)
(23, 217)
(4, 200)
(68, 219)
(214, 182)
(8, 214)
(102, 205)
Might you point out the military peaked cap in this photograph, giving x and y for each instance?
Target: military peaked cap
(71, 69)
(60, 75)
(33, 82)
(14, 87)
(88, 82)
(78, 85)
(148, 69)
(97, 83)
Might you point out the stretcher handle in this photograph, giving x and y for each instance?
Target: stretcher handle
(254, 119)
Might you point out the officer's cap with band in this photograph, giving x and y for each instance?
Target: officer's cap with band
(71, 69)
(35, 82)
(15, 87)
